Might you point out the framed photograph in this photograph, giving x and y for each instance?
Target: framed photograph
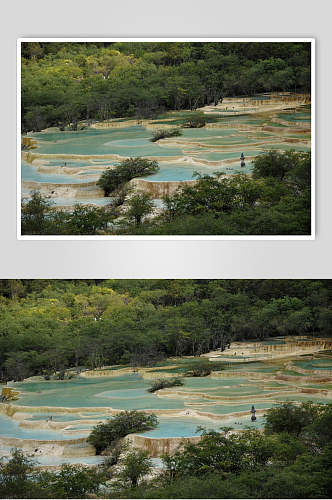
(156, 388)
(198, 138)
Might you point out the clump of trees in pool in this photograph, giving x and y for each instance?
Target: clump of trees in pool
(203, 368)
(164, 133)
(164, 383)
(103, 80)
(291, 458)
(276, 200)
(54, 326)
(197, 120)
(113, 178)
(106, 435)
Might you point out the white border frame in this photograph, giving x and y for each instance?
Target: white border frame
(170, 237)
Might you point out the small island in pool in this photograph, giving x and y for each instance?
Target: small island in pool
(226, 387)
(139, 143)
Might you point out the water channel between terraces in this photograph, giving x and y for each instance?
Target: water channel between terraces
(67, 165)
(52, 419)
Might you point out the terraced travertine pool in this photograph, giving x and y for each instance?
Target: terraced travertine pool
(216, 147)
(222, 393)
(315, 364)
(66, 411)
(121, 393)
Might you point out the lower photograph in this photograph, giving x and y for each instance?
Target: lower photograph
(166, 388)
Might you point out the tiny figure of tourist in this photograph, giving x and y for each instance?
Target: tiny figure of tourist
(253, 413)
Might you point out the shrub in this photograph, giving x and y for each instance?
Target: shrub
(197, 120)
(136, 465)
(127, 422)
(113, 452)
(112, 179)
(20, 478)
(293, 166)
(290, 418)
(203, 368)
(140, 205)
(163, 383)
(162, 134)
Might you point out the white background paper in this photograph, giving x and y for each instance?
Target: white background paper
(175, 258)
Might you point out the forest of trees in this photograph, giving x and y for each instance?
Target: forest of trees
(64, 83)
(48, 326)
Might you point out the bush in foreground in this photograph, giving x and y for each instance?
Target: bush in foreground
(139, 206)
(20, 478)
(136, 466)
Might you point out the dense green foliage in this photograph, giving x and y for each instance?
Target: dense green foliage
(39, 216)
(291, 419)
(276, 200)
(294, 167)
(112, 178)
(139, 204)
(163, 133)
(63, 83)
(164, 383)
(48, 326)
(20, 479)
(277, 464)
(128, 422)
(136, 466)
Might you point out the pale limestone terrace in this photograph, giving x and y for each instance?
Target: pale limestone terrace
(303, 373)
(67, 165)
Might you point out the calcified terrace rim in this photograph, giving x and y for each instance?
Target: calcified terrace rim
(288, 387)
(273, 136)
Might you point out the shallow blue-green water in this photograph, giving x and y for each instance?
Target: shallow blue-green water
(30, 173)
(135, 141)
(222, 155)
(11, 428)
(296, 117)
(315, 364)
(54, 460)
(101, 202)
(129, 141)
(187, 426)
(125, 392)
(178, 172)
